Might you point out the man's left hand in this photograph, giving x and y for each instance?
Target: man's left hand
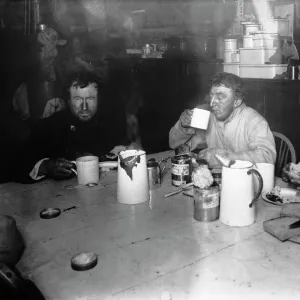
(287, 175)
(115, 152)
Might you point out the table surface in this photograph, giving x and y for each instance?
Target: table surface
(146, 249)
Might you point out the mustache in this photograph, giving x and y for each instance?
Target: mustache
(84, 112)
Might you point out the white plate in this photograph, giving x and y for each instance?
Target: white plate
(287, 195)
(108, 164)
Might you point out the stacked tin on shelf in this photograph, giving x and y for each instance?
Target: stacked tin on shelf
(252, 59)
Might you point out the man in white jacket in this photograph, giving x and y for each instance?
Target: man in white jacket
(235, 130)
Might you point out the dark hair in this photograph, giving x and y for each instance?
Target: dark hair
(230, 81)
(82, 79)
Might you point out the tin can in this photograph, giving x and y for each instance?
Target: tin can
(217, 175)
(154, 175)
(181, 169)
(206, 204)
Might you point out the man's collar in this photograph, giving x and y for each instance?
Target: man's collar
(235, 112)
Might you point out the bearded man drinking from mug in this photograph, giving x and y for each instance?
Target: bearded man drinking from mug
(235, 130)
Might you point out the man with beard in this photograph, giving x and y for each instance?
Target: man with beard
(235, 130)
(87, 127)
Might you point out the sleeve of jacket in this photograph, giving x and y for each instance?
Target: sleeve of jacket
(42, 143)
(179, 135)
(261, 144)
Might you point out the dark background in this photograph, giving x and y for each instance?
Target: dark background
(155, 91)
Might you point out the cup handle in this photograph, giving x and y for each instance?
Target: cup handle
(260, 182)
(164, 160)
(73, 170)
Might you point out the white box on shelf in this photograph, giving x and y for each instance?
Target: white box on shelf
(256, 56)
(251, 28)
(228, 55)
(248, 41)
(230, 44)
(233, 68)
(263, 42)
(280, 26)
(267, 71)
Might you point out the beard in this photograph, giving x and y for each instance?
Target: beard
(84, 116)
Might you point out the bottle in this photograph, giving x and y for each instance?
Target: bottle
(182, 44)
(147, 49)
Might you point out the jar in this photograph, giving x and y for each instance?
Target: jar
(248, 41)
(235, 57)
(206, 204)
(251, 28)
(181, 169)
(230, 44)
(228, 55)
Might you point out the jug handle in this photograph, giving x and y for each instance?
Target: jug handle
(260, 187)
(163, 160)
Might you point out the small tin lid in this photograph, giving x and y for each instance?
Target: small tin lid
(50, 213)
(84, 261)
(152, 164)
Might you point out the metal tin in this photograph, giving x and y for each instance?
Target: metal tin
(217, 175)
(154, 175)
(42, 27)
(206, 204)
(181, 169)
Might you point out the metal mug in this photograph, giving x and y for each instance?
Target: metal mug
(154, 173)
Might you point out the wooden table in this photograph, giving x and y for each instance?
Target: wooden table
(146, 249)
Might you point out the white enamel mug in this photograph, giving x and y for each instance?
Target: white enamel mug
(267, 172)
(87, 169)
(200, 118)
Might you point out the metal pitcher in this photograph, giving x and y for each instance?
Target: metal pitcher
(155, 173)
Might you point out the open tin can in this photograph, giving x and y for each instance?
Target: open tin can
(206, 204)
(181, 169)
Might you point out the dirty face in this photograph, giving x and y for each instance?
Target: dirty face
(223, 101)
(84, 101)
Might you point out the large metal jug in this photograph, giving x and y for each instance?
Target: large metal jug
(133, 185)
(237, 194)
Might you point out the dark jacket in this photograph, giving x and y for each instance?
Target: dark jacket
(63, 135)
